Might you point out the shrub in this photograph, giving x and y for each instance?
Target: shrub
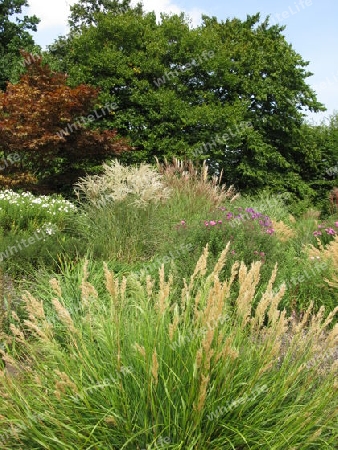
(35, 230)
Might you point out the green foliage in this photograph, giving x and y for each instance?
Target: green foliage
(121, 231)
(175, 231)
(14, 37)
(85, 12)
(34, 231)
(174, 341)
(230, 92)
(130, 366)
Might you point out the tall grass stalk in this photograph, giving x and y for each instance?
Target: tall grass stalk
(131, 365)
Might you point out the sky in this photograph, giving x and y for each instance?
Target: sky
(311, 29)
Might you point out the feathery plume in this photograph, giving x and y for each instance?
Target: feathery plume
(201, 266)
(140, 349)
(33, 307)
(202, 392)
(154, 367)
(55, 284)
(109, 276)
(64, 315)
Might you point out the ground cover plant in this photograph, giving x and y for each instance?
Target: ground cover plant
(196, 319)
(33, 228)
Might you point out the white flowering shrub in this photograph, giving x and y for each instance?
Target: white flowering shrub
(34, 229)
(26, 212)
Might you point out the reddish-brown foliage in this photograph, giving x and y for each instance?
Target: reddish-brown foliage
(46, 123)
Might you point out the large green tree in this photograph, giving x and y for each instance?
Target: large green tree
(14, 36)
(233, 92)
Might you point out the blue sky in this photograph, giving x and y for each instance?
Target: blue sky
(311, 28)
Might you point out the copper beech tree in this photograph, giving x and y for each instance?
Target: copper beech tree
(45, 123)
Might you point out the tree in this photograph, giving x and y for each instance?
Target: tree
(321, 165)
(14, 37)
(231, 92)
(46, 122)
(87, 12)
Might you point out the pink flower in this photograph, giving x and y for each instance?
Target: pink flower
(206, 223)
(232, 252)
(262, 253)
(317, 233)
(336, 224)
(212, 222)
(220, 222)
(330, 231)
(321, 226)
(182, 222)
(270, 230)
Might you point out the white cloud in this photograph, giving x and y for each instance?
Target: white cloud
(52, 13)
(166, 6)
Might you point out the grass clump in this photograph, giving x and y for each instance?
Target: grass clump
(127, 364)
(143, 184)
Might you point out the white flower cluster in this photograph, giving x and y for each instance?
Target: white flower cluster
(48, 228)
(52, 205)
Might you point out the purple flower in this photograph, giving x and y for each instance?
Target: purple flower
(330, 231)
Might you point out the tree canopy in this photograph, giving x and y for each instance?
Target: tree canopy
(14, 36)
(232, 92)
